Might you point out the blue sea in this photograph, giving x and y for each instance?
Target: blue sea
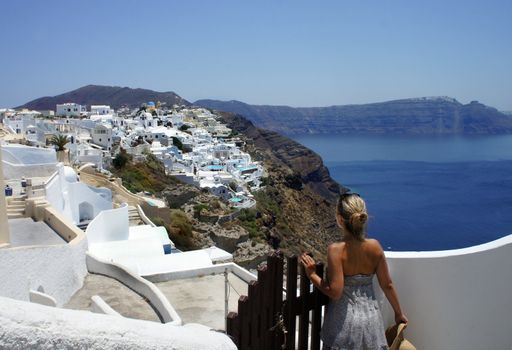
(425, 193)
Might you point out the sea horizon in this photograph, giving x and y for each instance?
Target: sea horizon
(444, 193)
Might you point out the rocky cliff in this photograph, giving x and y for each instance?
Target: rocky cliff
(417, 116)
(297, 205)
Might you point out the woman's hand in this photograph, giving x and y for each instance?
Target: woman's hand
(401, 318)
(308, 263)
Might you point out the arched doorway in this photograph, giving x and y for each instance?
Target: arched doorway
(85, 211)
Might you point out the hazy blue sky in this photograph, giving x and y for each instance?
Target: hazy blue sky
(299, 53)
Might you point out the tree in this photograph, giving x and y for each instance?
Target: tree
(121, 159)
(176, 142)
(59, 141)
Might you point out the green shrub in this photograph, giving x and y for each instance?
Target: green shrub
(198, 208)
(214, 205)
(180, 229)
(247, 219)
(158, 222)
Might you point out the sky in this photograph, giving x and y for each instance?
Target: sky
(297, 53)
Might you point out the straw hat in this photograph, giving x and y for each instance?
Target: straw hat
(396, 340)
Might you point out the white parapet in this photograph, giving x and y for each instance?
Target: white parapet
(58, 270)
(456, 299)
(27, 325)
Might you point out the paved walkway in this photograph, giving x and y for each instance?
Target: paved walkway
(26, 232)
(201, 299)
(118, 196)
(115, 294)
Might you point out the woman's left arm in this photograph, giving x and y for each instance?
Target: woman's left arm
(333, 287)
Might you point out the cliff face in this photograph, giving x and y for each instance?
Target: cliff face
(300, 194)
(419, 116)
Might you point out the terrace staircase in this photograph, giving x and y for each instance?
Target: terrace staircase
(16, 207)
(134, 217)
(83, 225)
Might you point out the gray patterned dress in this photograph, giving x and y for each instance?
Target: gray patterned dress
(354, 322)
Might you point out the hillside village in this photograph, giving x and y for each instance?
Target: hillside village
(191, 143)
(61, 229)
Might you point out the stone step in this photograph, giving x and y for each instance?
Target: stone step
(16, 198)
(15, 215)
(16, 206)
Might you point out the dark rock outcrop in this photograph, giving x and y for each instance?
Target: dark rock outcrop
(301, 193)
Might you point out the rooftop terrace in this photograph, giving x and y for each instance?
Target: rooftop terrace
(27, 232)
(201, 299)
(119, 297)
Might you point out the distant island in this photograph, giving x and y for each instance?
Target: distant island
(415, 116)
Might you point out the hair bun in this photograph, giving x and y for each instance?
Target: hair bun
(358, 218)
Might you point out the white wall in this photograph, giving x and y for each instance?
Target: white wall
(79, 193)
(33, 326)
(58, 269)
(15, 171)
(459, 299)
(66, 196)
(109, 225)
(27, 161)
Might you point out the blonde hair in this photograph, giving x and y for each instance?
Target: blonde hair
(352, 209)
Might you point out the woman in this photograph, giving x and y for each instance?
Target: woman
(353, 319)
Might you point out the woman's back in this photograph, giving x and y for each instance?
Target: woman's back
(360, 257)
(354, 320)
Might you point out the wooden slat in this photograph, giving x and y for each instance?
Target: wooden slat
(269, 301)
(304, 313)
(255, 307)
(243, 314)
(233, 327)
(278, 301)
(291, 301)
(263, 274)
(317, 312)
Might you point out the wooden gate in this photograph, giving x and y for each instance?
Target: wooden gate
(266, 321)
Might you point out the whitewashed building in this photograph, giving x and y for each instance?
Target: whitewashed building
(19, 121)
(70, 109)
(101, 110)
(102, 136)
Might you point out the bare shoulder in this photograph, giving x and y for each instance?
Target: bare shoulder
(374, 246)
(335, 247)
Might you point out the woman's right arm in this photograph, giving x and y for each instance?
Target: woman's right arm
(386, 284)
